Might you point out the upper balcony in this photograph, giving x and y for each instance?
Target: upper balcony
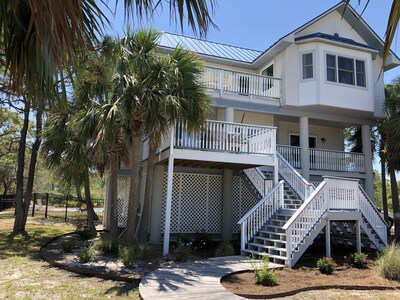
(242, 86)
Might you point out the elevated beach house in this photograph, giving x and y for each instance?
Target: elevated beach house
(270, 165)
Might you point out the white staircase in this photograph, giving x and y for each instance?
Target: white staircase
(292, 214)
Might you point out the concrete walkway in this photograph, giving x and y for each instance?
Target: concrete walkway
(194, 280)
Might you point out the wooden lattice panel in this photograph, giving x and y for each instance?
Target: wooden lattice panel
(123, 200)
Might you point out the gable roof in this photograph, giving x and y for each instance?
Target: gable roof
(239, 56)
(209, 48)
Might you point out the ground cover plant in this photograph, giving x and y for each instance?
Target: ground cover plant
(25, 276)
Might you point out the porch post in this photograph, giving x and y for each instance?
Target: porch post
(227, 206)
(168, 203)
(366, 148)
(229, 114)
(358, 236)
(304, 148)
(156, 205)
(328, 238)
(107, 205)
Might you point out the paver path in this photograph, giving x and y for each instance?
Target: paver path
(194, 280)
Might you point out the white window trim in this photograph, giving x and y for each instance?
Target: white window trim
(354, 58)
(301, 65)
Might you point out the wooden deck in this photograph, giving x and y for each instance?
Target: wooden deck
(194, 280)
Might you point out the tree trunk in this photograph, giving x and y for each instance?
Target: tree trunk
(19, 223)
(113, 203)
(143, 224)
(134, 189)
(384, 192)
(79, 193)
(32, 164)
(89, 206)
(395, 199)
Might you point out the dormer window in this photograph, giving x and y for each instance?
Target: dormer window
(345, 70)
(307, 65)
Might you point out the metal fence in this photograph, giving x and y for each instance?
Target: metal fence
(56, 207)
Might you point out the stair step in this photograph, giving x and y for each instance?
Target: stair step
(265, 254)
(272, 232)
(269, 239)
(266, 246)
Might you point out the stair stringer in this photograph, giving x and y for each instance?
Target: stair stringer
(307, 242)
(371, 235)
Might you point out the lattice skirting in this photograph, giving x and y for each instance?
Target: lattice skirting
(197, 202)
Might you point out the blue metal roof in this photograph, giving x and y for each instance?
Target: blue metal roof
(209, 48)
(334, 38)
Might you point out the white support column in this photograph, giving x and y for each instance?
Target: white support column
(366, 145)
(229, 114)
(328, 238)
(358, 236)
(305, 150)
(227, 206)
(156, 205)
(168, 204)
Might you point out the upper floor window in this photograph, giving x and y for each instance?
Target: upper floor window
(345, 70)
(307, 65)
(268, 71)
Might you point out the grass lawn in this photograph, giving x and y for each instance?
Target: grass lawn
(25, 276)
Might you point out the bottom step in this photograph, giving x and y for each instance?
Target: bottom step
(265, 254)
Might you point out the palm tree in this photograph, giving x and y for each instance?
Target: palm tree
(179, 97)
(392, 129)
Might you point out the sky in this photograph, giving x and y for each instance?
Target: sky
(257, 24)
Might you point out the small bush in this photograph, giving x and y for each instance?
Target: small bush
(326, 265)
(84, 255)
(146, 251)
(182, 251)
(389, 262)
(358, 260)
(225, 249)
(104, 246)
(83, 231)
(127, 254)
(202, 240)
(262, 274)
(67, 246)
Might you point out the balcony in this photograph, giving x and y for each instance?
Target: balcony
(242, 84)
(326, 160)
(223, 142)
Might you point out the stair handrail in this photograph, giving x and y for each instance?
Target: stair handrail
(372, 214)
(256, 217)
(311, 211)
(258, 180)
(294, 179)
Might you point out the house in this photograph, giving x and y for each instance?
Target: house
(270, 163)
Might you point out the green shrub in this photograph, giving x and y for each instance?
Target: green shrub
(67, 246)
(104, 246)
(146, 251)
(127, 254)
(182, 252)
(358, 260)
(202, 240)
(83, 231)
(84, 255)
(262, 274)
(389, 262)
(326, 265)
(225, 249)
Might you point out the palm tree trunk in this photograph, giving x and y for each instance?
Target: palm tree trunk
(384, 191)
(143, 224)
(89, 205)
(395, 199)
(32, 164)
(134, 193)
(19, 223)
(79, 193)
(113, 203)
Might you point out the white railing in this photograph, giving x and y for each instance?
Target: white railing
(333, 194)
(255, 218)
(372, 215)
(291, 154)
(338, 161)
(229, 137)
(259, 181)
(293, 178)
(241, 83)
(303, 221)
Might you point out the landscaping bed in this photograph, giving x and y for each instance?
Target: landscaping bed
(305, 277)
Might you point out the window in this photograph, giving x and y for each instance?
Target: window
(268, 71)
(295, 141)
(268, 82)
(307, 62)
(345, 70)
